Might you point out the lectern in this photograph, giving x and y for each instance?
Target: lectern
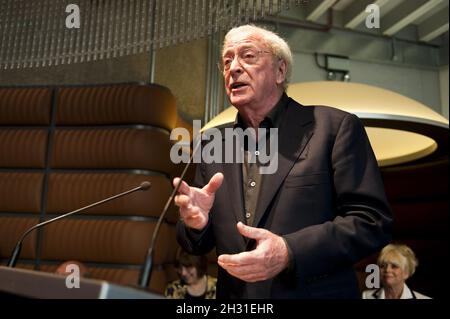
(37, 284)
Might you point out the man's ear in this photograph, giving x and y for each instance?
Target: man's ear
(281, 71)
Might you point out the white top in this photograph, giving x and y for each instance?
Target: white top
(406, 294)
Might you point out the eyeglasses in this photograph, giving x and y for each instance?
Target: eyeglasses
(245, 57)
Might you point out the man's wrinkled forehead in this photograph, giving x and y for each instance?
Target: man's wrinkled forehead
(240, 39)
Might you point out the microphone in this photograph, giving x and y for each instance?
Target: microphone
(146, 270)
(16, 252)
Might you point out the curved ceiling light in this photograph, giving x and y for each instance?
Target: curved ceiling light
(400, 129)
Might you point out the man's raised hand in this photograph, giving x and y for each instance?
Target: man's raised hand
(195, 203)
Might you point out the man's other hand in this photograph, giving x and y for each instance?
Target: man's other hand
(267, 260)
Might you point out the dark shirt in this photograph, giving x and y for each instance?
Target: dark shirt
(251, 177)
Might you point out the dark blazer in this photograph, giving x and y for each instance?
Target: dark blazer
(326, 199)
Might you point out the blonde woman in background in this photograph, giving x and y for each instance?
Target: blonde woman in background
(397, 263)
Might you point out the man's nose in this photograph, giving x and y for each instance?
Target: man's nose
(235, 65)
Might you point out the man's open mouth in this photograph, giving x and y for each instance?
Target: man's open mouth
(237, 85)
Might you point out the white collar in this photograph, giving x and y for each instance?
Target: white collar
(406, 294)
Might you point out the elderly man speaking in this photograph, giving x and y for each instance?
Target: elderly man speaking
(295, 233)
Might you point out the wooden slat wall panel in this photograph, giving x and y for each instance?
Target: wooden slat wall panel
(20, 192)
(125, 104)
(70, 191)
(25, 106)
(106, 241)
(23, 148)
(11, 228)
(112, 149)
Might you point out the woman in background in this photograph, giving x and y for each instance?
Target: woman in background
(194, 283)
(397, 263)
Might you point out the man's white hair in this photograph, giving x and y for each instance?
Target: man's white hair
(278, 47)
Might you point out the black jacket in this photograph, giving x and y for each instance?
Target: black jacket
(326, 199)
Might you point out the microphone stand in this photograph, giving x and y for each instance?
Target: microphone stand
(16, 252)
(146, 271)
